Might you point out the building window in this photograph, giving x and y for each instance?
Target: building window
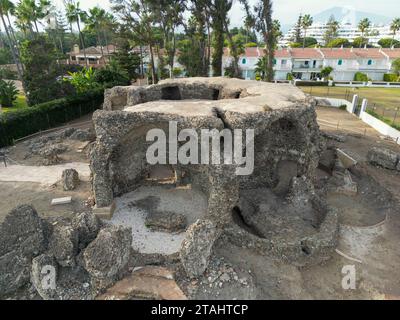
(340, 62)
(274, 61)
(244, 61)
(73, 58)
(284, 62)
(369, 62)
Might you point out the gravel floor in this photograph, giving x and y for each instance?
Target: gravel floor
(191, 203)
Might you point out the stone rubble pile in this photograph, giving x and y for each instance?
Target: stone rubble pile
(384, 157)
(80, 256)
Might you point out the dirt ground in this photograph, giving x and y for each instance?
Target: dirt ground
(369, 231)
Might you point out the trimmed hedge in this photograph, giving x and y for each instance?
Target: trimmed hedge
(390, 77)
(21, 123)
(306, 83)
(359, 76)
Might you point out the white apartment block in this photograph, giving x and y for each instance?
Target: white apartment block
(306, 64)
(347, 31)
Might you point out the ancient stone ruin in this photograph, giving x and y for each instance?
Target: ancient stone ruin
(275, 210)
(176, 214)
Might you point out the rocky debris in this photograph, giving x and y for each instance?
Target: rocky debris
(50, 153)
(35, 251)
(149, 282)
(346, 159)
(383, 157)
(222, 280)
(332, 136)
(56, 283)
(63, 244)
(21, 238)
(342, 181)
(106, 257)
(165, 221)
(88, 226)
(70, 179)
(82, 135)
(197, 247)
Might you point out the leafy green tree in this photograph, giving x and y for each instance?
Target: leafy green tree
(389, 42)
(306, 22)
(168, 16)
(262, 16)
(6, 6)
(338, 42)
(42, 71)
(138, 17)
(360, 42)
(297, 33)
(193, 49)
(396, 66)
(332, 27)
(5, 56)
(326, 72)
(395, 27)
(126, 60)
(363, 27)
(219, 13)
(112, 75)
(8, 93)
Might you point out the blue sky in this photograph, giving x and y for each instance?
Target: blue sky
(288, 10)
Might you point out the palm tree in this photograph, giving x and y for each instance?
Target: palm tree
(75, 14)
(94, 21)
(394, 26)
(5, 7)
(306, 22)
(363, 26)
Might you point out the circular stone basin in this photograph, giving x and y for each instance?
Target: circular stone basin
(132, 209)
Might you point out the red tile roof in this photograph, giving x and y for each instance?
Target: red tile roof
(300, 53)
(282, 53)
(373, 53)
(338, 53)
(392, 53)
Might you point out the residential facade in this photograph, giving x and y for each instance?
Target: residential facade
(307, 63)
(96, 57)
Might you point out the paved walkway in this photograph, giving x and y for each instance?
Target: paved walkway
(46, 175)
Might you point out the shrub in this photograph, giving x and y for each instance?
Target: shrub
(23, 122)
(289, 77)
(359, 76)
(250, 45)
(6, 73)
(325, 72)
(388, 42)
(108, 78)
(177, 72)
(338, 42)
(305, 83)
(343, 107)
(8, 93)
(83, 81)
(391, 77)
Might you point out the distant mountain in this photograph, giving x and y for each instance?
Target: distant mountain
(344, 15)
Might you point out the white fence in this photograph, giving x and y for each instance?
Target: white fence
(375, 123)
(380, 126)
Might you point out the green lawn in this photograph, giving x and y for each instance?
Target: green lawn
(383, 101)
(382, 97)
(20, 103)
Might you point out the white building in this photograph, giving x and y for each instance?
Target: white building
(346, 31)
(306, 64)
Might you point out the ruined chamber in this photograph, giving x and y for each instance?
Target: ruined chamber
(274, 210)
